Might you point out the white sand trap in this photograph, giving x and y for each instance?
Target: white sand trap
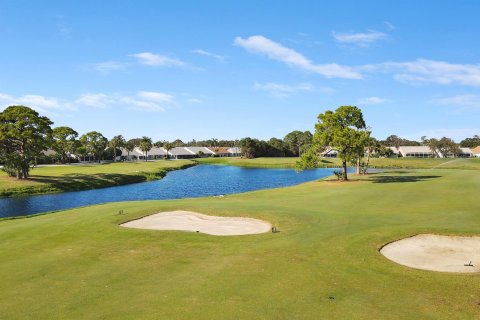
(192, 221)
(436, 253)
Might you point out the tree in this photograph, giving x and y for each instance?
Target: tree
(371, 146)
(64, 142)
(395, 141)
(344, 130)
(297, 141)
(249, 147)
(24, 134)
(115, 143)
(168, 146)
(94, 143)
(470, 142)
(447, 146)
(146, 145)
(129, 146)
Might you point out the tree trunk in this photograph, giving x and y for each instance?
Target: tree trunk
(344, 168)
(114, 154)
(358, 166)
(368, 161)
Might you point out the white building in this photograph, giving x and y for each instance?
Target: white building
(476, 151)
(416, 152)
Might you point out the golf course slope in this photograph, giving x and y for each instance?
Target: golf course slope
(323, 264)
(436, 253)
(197, 222)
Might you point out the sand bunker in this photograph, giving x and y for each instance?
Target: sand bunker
(437, 253)
(192, 221)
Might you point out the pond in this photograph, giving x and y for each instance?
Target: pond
(198, 181)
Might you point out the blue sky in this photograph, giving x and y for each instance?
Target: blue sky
(225, 69)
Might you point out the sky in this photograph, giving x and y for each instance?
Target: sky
(232, 69)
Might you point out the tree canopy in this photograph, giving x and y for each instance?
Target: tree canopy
(94, 143)
(146, 145)
(64, 142)
(24, 134)
(343, 130)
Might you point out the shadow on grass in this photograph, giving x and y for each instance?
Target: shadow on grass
(396, 179)
(72, 182)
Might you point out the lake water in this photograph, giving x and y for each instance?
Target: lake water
(198, 181)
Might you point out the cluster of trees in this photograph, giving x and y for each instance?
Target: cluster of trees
(470, 142)
(292, 145)
(445, 146)
(25, 135)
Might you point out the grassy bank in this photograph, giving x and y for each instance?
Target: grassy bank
(324, 263)
(392, 163)
(51, 179)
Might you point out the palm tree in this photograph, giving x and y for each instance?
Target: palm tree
(168, 146)
(146, 145)
(116, 142)
(129, 146)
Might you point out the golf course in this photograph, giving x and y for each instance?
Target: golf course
(324, 263)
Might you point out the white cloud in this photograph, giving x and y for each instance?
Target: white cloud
(276, 51)
(390, 25)
(141, 104)
(361, 39)
(159, 97)
(97, 100)
(108, 66)
(194, 101)
(37, 102)
(283, 90)
(209, 54)
(142, 100)
(371, 101)
(465, 100)
(429, 71)
(155, 60)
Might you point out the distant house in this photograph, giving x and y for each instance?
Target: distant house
(202, 152)
(181, 153)
(221, 151)
(476, 151)
(135, 154)
(464, 153)
(154, 154)
(226, 151)
(416, 152)
(235, 152)
(329, 153)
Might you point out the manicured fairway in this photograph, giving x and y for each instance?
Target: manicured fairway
(48, 179)
(393, 163)
(324, 264)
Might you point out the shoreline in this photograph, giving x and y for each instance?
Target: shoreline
(118, 180)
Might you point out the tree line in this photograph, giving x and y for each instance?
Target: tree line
(25, 136)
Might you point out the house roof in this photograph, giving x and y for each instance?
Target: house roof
(219, 150)
(196, 150)
(135, 152)
(236, 150)
(414, 149)
(180, 151)
(466, 150)
(476, 150)
(394, 149)
(157, 152)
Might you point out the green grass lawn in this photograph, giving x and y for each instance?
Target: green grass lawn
(324, 264)
(48, 179)
(393, 163)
